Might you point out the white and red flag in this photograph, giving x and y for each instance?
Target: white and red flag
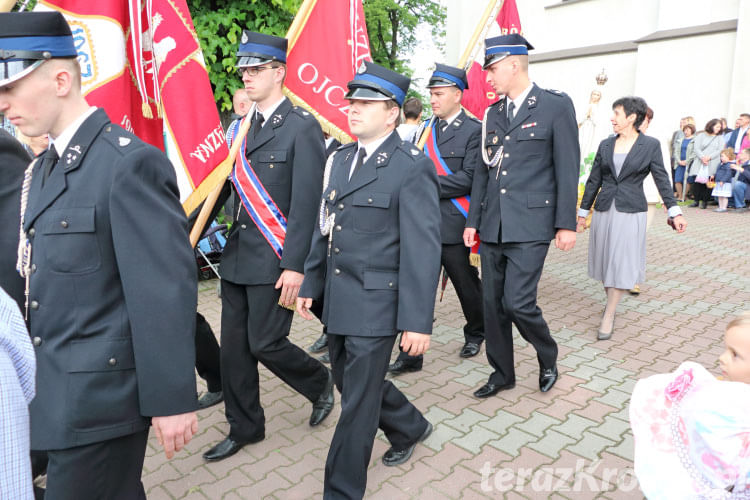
(480, 94)
(325, 50)
(141, 61)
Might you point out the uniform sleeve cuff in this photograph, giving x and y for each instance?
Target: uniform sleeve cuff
(674, 211)
(582, 212)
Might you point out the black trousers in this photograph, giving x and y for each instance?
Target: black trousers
(207, 354)
(465, 279)
(107, 470)
(368, 401)
(255, 328)
(510, 277)
(701, 192)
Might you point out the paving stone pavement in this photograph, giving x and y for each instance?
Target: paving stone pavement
(571, 443)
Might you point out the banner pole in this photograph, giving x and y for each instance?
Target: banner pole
(493, 7)
(225, 167)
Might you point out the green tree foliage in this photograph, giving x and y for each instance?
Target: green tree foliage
(219, 25)
(391, 26)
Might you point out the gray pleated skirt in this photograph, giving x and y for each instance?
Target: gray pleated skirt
(617, 248)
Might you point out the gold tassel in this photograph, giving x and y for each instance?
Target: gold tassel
(474, 259)
(160, 110)
(146, 110)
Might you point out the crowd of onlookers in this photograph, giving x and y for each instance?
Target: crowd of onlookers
(712, 165)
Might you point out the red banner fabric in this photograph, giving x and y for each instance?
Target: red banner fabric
(480, 94)
(332, 44)
(159, 101)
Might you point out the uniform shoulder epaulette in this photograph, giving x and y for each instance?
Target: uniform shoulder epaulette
(120, 138)
(558, 93)
(302, 112)
(410, 149)
(474, 119)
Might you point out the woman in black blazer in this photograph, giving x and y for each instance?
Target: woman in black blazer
(617, 245)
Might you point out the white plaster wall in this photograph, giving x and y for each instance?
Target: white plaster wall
(679, 77)
(680, 13)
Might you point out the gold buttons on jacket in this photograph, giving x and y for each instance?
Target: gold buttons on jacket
(341, 206)
(64, 224)
(369, 200)
(337, 271)
(270, 166)
(338, 228)
(112, 361)
(336, 250)
(502, 191)
(37, 341)
(505, 172)
(34, 305)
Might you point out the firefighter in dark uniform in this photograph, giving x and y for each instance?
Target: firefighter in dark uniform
(523, 198)
(111, 300)
(278, 189)
(457, 152)
(375, 257)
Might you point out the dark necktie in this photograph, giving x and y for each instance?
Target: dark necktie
(511, 109)
(441, 126)
(257, 123)
(360, 161)
(48, 163)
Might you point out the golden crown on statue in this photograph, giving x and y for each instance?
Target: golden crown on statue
(601, 78)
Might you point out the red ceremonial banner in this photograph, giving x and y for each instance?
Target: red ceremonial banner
(141, 61)
(324, 57)
(480, 94)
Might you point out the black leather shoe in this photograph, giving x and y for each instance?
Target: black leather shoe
(319, 344)
(490, 389)
(393, 457)
(400, 366)
(228, 447)
(547, 379)
(209, 399)
(694, 204)
(325, 358)
(703, 205)
(469, 350)
(323, 406)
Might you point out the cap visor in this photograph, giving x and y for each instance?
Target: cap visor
(250, 61)
(368, 94)
(10, 71)
(494, 58)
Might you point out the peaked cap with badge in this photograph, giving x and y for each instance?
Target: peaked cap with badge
(376, 83)
(27, 39)
(448, 76)
(259, 48)
(499, 47)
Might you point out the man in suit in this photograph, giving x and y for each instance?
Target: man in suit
(278, 182)
(111, 300)
(13, 162)
(525, 197)
(454, 147)
(375, 260)
(734, 140)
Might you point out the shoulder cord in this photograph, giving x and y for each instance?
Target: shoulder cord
(498, 154)
(326, 220)
(23, 261)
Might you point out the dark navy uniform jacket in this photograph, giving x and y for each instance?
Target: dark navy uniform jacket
(288, 155)
(534, 191)
(460, 147)
(382, 271)
(113, 290)
(13, 162)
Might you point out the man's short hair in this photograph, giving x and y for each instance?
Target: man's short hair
(412, 108)
(745, 115)
(390, 104)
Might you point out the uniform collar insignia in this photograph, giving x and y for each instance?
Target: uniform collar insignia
(75, 148)
(456, 122)
(277, 119)
(531, 100)
(381, 158)
(501, 106)
(332, 195)
(124, 141)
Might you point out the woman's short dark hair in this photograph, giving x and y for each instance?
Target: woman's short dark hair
(711, 124)
(691, 127)
(632, 105)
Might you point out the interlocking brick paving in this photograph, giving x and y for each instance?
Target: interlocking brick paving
(532, 442)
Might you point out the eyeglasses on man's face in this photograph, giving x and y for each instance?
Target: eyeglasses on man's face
(253, 70)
